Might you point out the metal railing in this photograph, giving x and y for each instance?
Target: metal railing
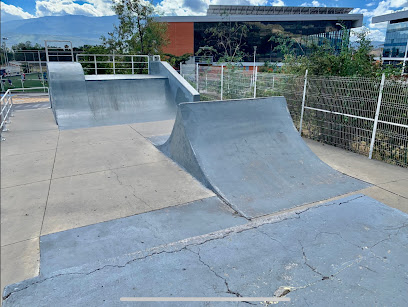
(363, 115)
(114, 63)
(66, 51)
(6, 105)
(204, 59)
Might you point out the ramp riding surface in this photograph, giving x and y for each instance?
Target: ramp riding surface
(107, 100)
(68, 94)
(251, 155)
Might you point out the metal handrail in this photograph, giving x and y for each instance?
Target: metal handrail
(114, 59)
(6, 106)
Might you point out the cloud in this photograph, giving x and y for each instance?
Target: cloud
(104, 7)
(377, 30)
(314, 3)
(278, 3)
(383, 7)
(11, 12)
(199, 7)
(71, 7)
(373, 35)
(195, 5)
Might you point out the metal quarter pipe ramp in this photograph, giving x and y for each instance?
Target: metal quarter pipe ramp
(86, 101)
(251, 155)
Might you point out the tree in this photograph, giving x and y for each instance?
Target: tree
(324, 60)
(228, 37)
(175, 61)
(137, 31)
(27, 46)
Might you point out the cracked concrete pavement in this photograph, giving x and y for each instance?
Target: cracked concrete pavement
(55, 180)
(309, 265)
(38, 199)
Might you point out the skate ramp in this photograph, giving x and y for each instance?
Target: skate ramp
(130, 101)
(80, 101)
(251, 155)
(68, 94)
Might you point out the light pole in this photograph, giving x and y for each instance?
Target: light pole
(344, 32)
(5, 51)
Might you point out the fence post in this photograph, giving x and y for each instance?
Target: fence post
(273, 82)
(303, 104)
(197, 67)
(113, 59)
(222, 80)
(133, 69)
(377, 113)
(255, 78)
(41, 72)
(96, 65)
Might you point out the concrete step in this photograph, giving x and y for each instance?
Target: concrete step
(95, 243)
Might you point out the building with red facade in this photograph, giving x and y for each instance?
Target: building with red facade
(188, 33)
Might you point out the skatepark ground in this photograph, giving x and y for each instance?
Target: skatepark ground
(48, 175)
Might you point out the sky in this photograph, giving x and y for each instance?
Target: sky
(23, 9)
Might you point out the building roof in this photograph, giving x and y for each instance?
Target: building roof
(393, 17)
(273, 10)
(356, 19)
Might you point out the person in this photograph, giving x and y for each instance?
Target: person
(23, 77)
(45, 75)
(10, 83)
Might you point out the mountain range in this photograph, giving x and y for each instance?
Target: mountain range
(79, 29)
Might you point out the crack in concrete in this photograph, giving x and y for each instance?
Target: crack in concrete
(398, 228)
(339, 235)
(195, 241)
(273, 239)
(332, 203)
(132, 188)
(229, 291)
(91, 272)
(309, 265)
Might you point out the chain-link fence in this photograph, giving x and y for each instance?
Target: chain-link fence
(366, 116)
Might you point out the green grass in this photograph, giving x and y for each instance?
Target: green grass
(31, 81)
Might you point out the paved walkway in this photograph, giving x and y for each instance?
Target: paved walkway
(57, 180)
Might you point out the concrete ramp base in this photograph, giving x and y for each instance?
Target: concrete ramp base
(251, 155)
